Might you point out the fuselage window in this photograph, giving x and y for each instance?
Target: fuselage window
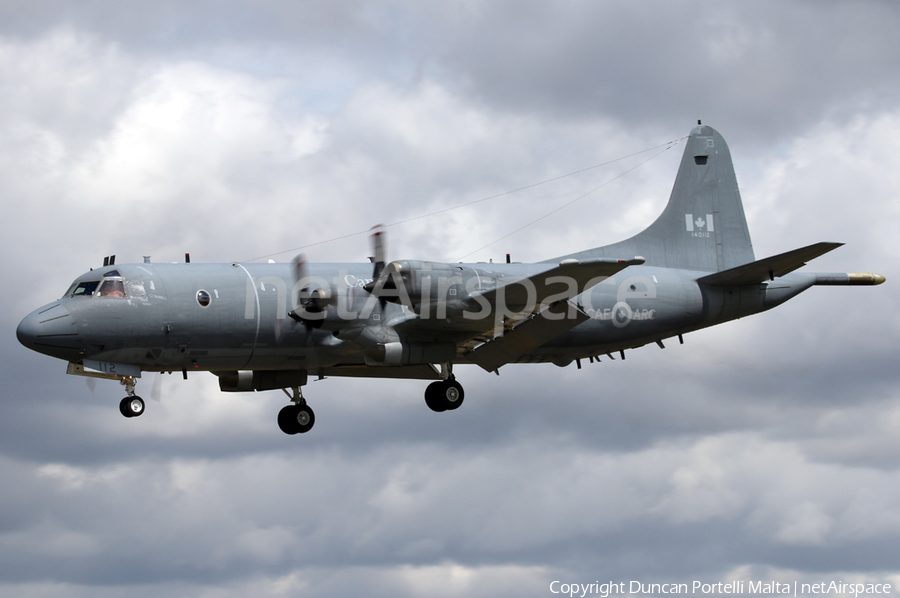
(203, 298)
(112, 288)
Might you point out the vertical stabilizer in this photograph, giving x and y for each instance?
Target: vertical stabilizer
(703, 226)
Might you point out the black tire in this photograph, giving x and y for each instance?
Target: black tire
(131, 406)
(296, 419)
(287, 420)
(433, 397)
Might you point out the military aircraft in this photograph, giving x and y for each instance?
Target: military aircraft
(271, 326)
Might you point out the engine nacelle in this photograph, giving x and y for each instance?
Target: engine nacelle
(250, 380)
(405, 353)
(431, 287)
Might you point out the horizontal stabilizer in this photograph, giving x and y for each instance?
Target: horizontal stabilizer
(769, 268)
(528, 335)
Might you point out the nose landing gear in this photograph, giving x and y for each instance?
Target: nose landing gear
(132, 405)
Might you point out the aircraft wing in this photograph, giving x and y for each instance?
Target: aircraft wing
(768, 268)
(527, 335)
(534, 325)
(565, 281)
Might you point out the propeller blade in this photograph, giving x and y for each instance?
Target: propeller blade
(310, 300)
(156, 390)
(378, 249)
(300, 270)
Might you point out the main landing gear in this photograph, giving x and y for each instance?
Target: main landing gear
(444, 395)
(132, 405)
(297, 418)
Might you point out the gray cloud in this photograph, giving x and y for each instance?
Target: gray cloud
(782, 65)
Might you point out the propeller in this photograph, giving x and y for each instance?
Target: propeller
(379, 248)
(311, 302)
(315, 303)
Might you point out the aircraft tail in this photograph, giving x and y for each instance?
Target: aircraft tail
(703, 227)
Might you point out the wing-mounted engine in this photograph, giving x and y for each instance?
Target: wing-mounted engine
(419, 286)
(369, 316)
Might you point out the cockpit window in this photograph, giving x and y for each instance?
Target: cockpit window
(84, 289)
(109, 286)
(112, 288)
(135, 288)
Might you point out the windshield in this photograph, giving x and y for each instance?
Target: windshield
(83, 289)
(112, 288)
(108, 287)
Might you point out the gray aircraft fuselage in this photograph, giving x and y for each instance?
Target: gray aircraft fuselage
(161, 326)
(256, 327)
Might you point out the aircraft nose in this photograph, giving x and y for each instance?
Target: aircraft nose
(50, 330)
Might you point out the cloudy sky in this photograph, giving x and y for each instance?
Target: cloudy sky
(767, 448)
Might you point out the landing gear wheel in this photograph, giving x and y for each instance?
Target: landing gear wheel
(296, 419)
(305, 418)
(287, 420)
(131, 406)
(446, 395)
(433, 397)
(452, 394)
